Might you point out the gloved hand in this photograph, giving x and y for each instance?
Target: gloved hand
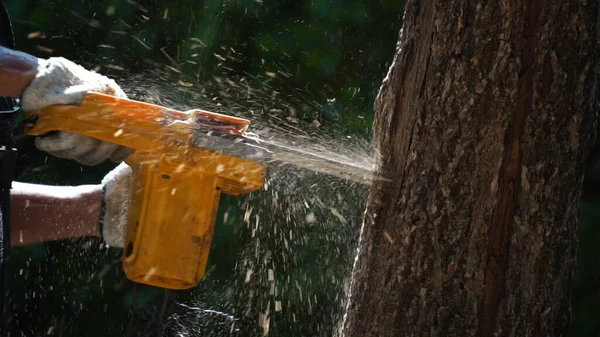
(116, 189)
(60, 81)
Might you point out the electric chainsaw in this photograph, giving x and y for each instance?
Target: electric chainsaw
(182, 163)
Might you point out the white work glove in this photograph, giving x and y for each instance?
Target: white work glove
(60, 81)
(116, 190)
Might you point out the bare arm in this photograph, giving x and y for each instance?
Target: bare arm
(17, 70)
(38, 212)
(42, 213)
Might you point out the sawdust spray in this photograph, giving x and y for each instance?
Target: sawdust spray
(297, 235)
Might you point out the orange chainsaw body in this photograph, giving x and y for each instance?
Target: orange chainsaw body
(177, 184)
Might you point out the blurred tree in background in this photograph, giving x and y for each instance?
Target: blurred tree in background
(307, 71)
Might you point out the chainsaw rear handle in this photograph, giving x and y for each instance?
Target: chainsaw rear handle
(120, 121)
(177, 185)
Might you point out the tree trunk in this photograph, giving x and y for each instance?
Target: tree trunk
(483, 124)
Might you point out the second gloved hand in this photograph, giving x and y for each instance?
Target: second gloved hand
(116, 190)
(60, 81)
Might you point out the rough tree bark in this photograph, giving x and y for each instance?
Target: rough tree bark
(483, 124)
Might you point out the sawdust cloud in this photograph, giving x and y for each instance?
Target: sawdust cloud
(297, 236)
(272, 115)
(299, 233)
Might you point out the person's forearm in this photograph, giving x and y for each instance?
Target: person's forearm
(17, 70)
(42, 213)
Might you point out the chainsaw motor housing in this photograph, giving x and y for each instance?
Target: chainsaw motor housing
(182, 163)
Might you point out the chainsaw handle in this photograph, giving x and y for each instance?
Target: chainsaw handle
(122, 121)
